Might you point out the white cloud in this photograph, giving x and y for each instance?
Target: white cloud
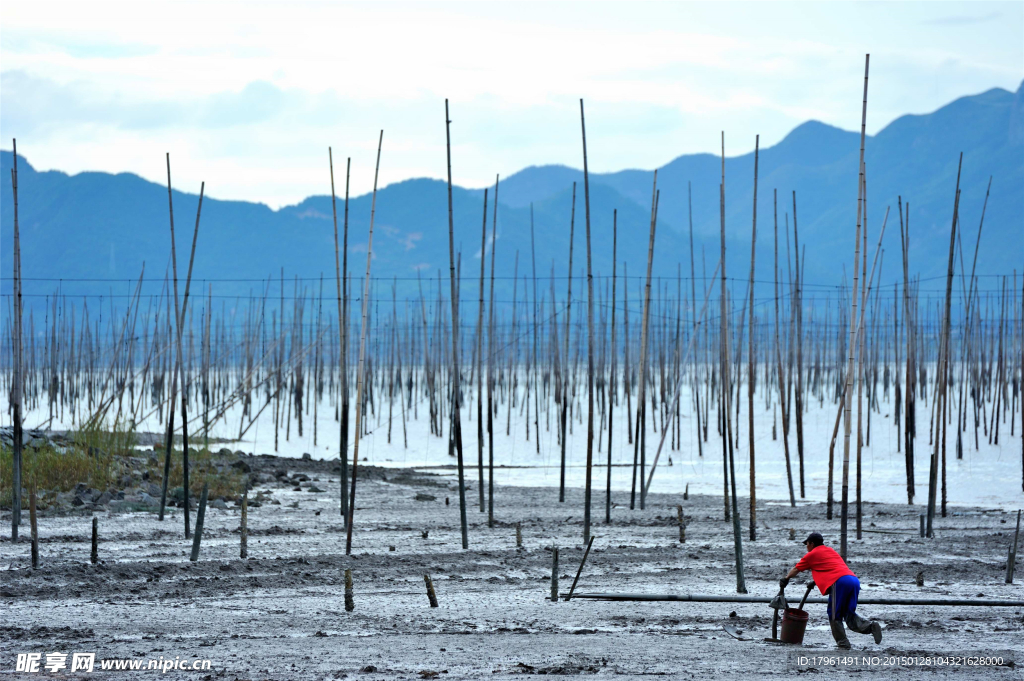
(248, 95)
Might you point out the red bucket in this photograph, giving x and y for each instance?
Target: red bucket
(794, 622)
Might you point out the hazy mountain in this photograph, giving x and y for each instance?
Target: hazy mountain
(103, 226)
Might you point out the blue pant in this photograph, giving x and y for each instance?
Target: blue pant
(842, 597)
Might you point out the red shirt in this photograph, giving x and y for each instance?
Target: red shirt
(826, 566)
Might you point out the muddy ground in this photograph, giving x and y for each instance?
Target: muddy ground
(281, 613)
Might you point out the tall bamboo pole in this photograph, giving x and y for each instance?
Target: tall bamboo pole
(612, 395)
(851, 346)
(750, 354)
(456, 338)
(641, 422)
(340, 277)
(564, 382)
(18, 387)
(798, 312)
(360, 372)
(479, 352)
(726, 394)
(490, 366)
(590, 338)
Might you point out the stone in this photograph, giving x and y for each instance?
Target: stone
(242, 466)
(306, 456)
(218, 504)
(224, 451)
(314, 488)
(421, 496)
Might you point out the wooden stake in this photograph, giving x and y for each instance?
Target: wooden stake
(34, 528)
(431, 596)
(200, 517)
(244, 536)
(554, 574)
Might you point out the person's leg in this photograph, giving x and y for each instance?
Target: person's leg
(835, 622)
(864, 626)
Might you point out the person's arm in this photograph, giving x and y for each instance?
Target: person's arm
(801, 565)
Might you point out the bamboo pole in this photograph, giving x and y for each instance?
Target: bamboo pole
(17, 392)
(456, 338)
(339, 278)
(490, 366)
(750, 354)
(564, 381)
(853, 317)
(590, 344)
(479, 359)
(360, 376)
(612, 394)
(641, 392)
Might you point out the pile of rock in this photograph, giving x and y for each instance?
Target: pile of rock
(33, 438)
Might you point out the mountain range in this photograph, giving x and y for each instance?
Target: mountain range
(100, 226)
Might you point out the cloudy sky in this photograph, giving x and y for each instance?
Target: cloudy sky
(248, 96)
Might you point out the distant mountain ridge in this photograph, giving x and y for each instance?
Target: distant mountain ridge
(102, 226)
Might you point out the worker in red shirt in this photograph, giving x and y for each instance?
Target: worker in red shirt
(834, 579)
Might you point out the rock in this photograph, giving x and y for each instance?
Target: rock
(314, 488)
(153, 489)
(224, 451)
(421, 496)
(77, 501)
(306, 456)
(368, 669)
(218, 504)
(242, 466)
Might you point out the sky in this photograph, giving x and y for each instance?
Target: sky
(248, 96)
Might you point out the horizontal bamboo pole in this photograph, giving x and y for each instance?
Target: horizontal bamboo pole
(729, 598)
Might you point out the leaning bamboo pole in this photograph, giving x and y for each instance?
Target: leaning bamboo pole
(942, 369)
(726, 394)
(339, 279)
(844, 517)
(644, 324)
(360, 372)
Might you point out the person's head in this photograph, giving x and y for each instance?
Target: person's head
(813, 539)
